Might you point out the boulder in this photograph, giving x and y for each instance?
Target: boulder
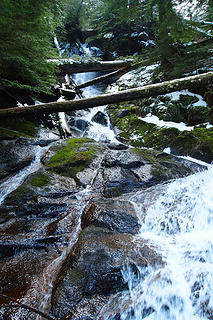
(94, 269)
(14, 156)
(100, 118)
(117, 215)
(78, 124)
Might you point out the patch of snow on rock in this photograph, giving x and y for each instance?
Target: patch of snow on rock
(166, 124)
(176, 96)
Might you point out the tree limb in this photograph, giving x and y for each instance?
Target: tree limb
(196, 81)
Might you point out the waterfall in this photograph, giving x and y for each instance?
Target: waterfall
(177, 222)
(180, 223)
(95, 130)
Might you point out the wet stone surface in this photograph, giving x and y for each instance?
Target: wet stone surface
(40, 218)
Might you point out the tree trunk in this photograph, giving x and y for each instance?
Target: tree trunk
(66, 66)
(125, 95)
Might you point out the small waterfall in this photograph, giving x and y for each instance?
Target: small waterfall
(12, 183)
(95, 130)
(180, 223)
(60, 51)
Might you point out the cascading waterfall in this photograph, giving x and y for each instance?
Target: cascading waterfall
(12, 183)
(180, 224)
(96, 130)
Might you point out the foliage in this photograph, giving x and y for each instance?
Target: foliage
(26, 32)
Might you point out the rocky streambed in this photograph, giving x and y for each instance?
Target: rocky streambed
(69, 230)
(108, 229)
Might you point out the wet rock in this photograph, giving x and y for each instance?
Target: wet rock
(49, 210)
(124, 160)
(123, 171)
(106, 253)
(37, 142)
(14, 156)
(101, 118)
(117, 146)
(114, 215)
(10, 249)
(79, 124)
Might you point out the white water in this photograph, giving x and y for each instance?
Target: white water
(180, 223)
(95, 131)
(13, 182)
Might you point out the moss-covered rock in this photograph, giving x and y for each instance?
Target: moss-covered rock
(40, 180)
(197, 143)
(75, 156)
(20, 195)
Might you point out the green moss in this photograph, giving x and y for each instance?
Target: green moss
(198, 143)
(40, 180)
(4, 132)
(148, 155)
(72, 158)
(21, 194)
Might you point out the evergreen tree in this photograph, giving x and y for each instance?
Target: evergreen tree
(26, 33)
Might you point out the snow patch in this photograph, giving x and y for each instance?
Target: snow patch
(166, 124)
(176, 96)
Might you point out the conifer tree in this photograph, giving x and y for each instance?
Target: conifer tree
(26, 33)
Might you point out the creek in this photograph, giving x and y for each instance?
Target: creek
(179, 222)
(175, 219)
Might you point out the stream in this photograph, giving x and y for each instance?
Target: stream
(180, 222)
(177, 221)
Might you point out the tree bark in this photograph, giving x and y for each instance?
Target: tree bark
(66, 66)
(125, 95)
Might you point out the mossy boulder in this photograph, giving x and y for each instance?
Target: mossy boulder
(72, 157)
(197, 143)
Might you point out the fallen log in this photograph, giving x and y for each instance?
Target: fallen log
(66, 66)
(115, 75)
(126, 95)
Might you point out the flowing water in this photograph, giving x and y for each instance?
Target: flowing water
(95, 131)
(12, 183)
(179, 222)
